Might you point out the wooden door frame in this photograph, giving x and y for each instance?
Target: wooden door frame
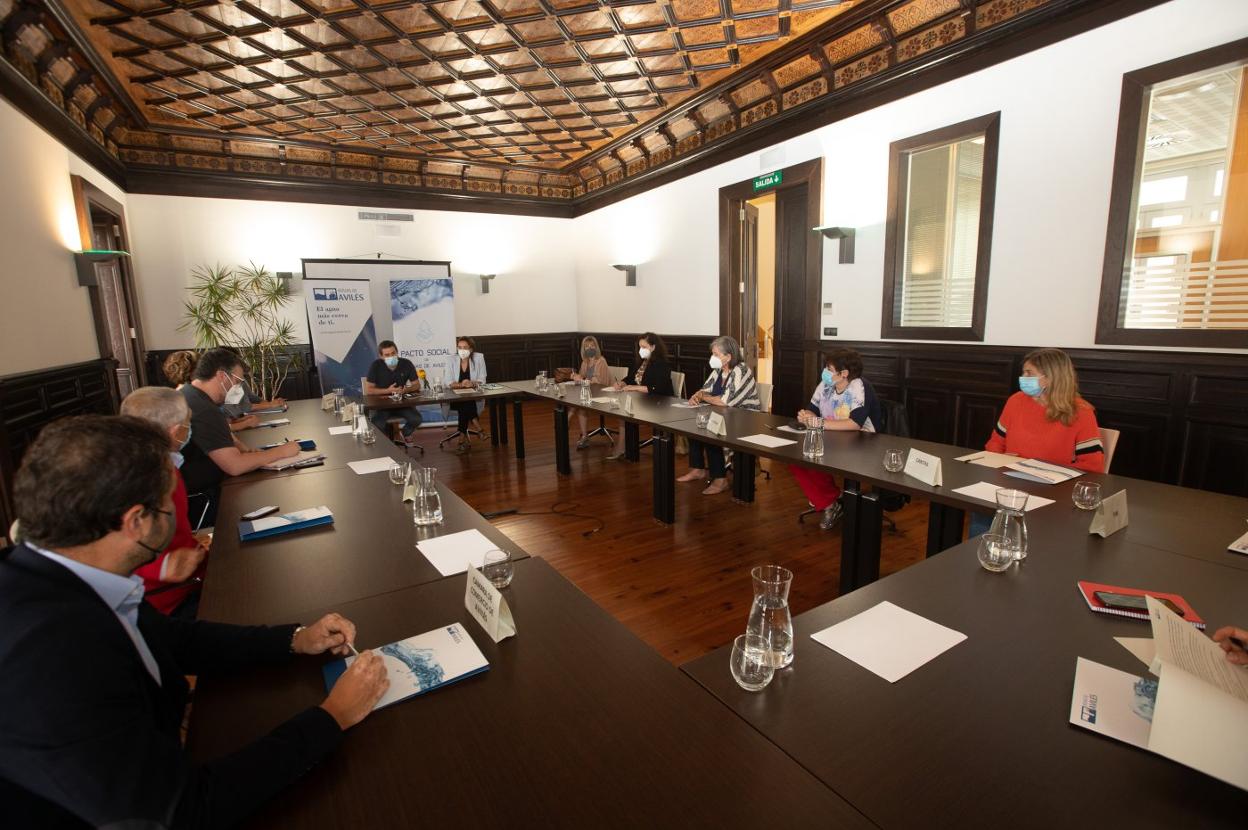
(810, 174)
(86, 197)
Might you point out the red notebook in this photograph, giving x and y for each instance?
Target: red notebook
(1089, 589)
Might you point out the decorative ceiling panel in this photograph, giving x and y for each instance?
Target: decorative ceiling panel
(538, 101)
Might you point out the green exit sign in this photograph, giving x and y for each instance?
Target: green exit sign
(770, 180)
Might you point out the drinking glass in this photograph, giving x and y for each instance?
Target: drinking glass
(995, 552)
(498, 568)
(894, 461)
(399, 472)
(1086, 495)
(586, 394)
(751, 665)
(702, 417)
(368, 435)
(339, 399)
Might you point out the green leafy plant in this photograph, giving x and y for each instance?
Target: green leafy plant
(241, 307)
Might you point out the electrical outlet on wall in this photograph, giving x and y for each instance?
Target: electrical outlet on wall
(829, 331)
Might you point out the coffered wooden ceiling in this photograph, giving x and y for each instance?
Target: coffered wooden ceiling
(536, 101)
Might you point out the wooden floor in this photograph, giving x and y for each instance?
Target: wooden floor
(684, 589)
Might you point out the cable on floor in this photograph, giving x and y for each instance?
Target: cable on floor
(553, 511)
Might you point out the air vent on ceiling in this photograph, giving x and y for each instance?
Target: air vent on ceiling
(370, 216)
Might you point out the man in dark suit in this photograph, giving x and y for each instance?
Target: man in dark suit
(93, 690)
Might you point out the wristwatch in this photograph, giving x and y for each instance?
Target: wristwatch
(293, 635)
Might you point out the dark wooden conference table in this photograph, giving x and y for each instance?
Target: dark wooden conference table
(495, 396)
(979, 737)
(577, 722)
(1193, 523)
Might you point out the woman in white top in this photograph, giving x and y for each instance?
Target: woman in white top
(464, 373)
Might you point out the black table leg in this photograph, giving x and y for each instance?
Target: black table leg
(743, 476)
(562, 462)
(502, 422)
(944, 527)
(495, 417)
(518, 411)
(632, 443)
(664, 477)
(860, 537)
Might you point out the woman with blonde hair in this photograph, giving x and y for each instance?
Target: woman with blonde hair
(1046, 419)
(594, 369)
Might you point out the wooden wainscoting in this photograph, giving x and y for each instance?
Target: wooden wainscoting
(1183, 416)
(31, 400)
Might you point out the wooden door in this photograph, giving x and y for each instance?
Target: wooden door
(747, 334)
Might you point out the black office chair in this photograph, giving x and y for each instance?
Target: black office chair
(893, 422)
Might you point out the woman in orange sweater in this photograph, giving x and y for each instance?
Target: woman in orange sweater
(1046, 420)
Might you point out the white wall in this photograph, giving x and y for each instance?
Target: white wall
(534, 291)
(45, 316)
(1059, 116)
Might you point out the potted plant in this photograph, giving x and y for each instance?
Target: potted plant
(241, 307)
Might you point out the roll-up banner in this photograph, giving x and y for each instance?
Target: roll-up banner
(422, 314)
(340, 324)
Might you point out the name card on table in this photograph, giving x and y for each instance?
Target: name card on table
(327, 401)
(715, 424)
(1111, 516)
(348, 413)
(487, 606)
(924, 467)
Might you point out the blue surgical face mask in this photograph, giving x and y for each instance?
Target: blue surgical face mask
(392, 361)
(828, 379)
(177, 458)
(1030, 386)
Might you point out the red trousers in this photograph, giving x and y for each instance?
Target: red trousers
(820, 487)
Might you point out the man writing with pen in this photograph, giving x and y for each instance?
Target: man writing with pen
(389, 374)
(95, 687)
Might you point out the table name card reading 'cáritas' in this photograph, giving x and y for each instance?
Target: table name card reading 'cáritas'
(924, 466)
(488, 606)
(715, 425)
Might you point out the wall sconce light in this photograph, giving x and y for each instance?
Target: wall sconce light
(846, 235)
(85, 261)
(485, 283)
(630, 273)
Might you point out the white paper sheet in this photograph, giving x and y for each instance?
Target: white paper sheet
(985, 491)
(601, 400)
(984, 458)
(344, 430)
(276, 422)
(888, 640)
(764, 440)
(1141, 647)
(371, 465)
(453, 553)
(787, 428)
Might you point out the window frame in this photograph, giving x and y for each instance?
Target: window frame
(1124, 203)
(894, 235)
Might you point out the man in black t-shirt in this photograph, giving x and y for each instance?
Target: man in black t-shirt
(388, 374)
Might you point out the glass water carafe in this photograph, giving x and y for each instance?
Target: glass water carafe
(427, 506)
(769, 615)
(1010, 521)
(812, 441)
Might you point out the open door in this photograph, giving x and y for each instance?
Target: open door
(747, 332)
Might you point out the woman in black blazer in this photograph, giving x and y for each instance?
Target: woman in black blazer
(652, 374)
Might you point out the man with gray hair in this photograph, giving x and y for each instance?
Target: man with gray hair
(171, 581)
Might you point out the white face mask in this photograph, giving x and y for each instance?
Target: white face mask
(463, 354)
(235, 393)
(715, 362)
(644, 352)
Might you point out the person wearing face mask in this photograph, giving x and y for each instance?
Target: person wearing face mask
(843, 401)
(652, 374)
(169, 573)
(593, 368)
(466, 371)
(95, 688)
(1046, 420)
(212, 453)
(731, 383)
(240, 412)
(391, 373)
